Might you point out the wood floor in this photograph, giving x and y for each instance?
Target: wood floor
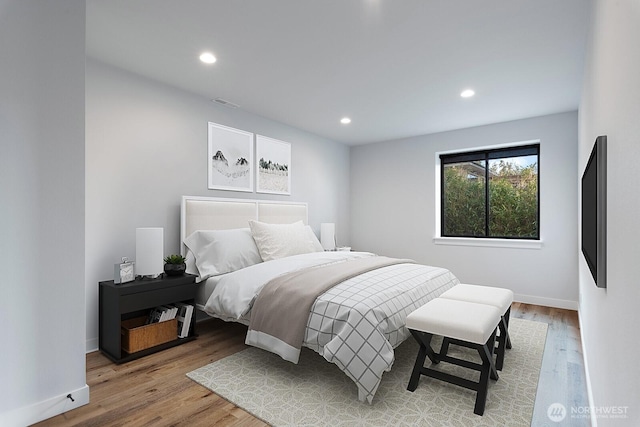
(562, 375)
(154, 391)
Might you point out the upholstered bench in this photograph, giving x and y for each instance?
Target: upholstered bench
(465, 323)
(497, 297)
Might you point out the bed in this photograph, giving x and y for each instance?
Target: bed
(260, 264)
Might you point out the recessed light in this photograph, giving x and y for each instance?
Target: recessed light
(467, 93)
(207, 58)
(345, 120)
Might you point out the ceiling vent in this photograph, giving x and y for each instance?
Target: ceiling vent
(226, 103)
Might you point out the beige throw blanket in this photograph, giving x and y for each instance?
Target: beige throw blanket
(280, 312)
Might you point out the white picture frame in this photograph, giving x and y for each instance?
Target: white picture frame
(273, 166)
(230, 158)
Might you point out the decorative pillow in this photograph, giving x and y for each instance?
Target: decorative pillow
(317, 246)
(222, 251)
(276, 241)
(190, 262)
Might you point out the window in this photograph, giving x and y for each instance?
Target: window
(491, 193)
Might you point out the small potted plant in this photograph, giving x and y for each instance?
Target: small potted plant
(174, 265)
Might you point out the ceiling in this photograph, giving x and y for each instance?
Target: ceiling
(395, 67)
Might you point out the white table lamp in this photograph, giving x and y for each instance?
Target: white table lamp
(149, 251)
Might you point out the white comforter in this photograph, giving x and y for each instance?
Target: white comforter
(356, 324)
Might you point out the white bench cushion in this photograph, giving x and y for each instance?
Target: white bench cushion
(498, 297)
(466, 321)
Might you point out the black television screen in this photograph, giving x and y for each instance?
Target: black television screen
(594, 212)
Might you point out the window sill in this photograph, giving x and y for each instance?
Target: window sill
(489, 243)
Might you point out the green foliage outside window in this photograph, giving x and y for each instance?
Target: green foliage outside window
(513, 201)
(464, 203)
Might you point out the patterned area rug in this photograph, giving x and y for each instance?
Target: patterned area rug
(316, 393)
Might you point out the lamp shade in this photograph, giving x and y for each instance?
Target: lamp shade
(149, 251)
(328, 236)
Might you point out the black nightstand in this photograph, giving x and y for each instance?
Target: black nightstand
(135, 299)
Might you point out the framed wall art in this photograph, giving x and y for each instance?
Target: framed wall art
(230, 158)
(273, 165)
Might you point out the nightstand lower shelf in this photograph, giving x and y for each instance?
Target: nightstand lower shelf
(126, 357)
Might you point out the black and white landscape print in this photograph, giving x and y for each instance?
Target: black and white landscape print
(274, 165)
(230, 161)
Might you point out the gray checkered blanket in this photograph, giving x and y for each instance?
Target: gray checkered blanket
(280, 312)
(358, 323)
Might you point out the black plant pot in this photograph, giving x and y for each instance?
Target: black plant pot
(175, 269)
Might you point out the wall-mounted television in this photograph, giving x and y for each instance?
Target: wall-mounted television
(594, 212)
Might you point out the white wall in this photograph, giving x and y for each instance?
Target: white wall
(42, 209)
(147, 146)
(611, 106)
(392, 212)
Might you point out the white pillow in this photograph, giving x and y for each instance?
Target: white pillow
(276, 241)
(190, 262)
(222, 251)
(317, 246)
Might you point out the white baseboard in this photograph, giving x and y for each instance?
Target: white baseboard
(546, 302)
(40, 411)
(92, 345)
(594, 420)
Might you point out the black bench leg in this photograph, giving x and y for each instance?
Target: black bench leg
(424, 340)
(502, 343)
(487, 371)
(504, 340)
(506, 316)
(483, 385)
(444, 348)
(488, 355)
(417, 368)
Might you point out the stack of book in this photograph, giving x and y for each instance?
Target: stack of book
(183, 312)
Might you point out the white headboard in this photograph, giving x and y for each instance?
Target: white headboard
(213, 213)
